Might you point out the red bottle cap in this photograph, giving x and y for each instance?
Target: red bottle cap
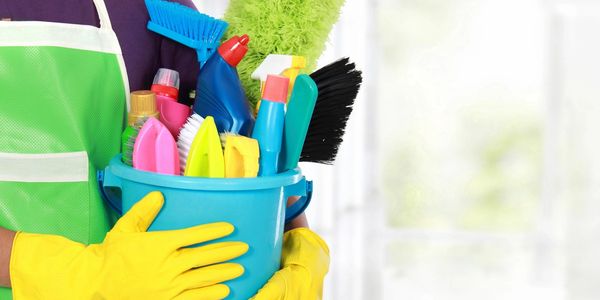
(164, 90)
(234, 49)
(166, 83)
(276, 88)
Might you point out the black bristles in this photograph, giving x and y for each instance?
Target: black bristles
(338, 84)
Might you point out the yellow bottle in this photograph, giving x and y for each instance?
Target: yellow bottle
(279, 64)
(143, 106)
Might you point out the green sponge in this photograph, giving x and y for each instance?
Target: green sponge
(295, 27)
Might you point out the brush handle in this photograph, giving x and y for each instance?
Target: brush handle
(203, 56)
(203, 52)
(297, 119)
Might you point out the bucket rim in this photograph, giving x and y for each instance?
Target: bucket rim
(119, 169)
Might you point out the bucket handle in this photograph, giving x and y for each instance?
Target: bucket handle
(303, 188)
(107, 182)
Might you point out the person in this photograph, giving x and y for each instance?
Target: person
(62, 102)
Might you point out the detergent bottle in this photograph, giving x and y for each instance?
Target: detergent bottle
(219, 92)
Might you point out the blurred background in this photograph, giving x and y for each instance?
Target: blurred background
(470, 168)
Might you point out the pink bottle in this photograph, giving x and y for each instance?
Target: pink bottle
(166, 87)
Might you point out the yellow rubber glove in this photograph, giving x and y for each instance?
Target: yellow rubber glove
(130, 264)
(305, 262)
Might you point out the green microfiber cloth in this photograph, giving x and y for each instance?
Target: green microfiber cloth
(294, 27)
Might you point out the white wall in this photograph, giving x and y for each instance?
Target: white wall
(539, 56)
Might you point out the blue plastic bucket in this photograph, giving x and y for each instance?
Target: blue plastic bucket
(255, 206)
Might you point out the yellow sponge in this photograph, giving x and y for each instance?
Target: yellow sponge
(241, 156)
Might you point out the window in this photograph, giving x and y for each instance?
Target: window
(470, 169)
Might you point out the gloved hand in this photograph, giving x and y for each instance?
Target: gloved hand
(305, 262)
(130, 264)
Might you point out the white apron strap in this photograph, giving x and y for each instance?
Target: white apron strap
(103, 14)
(105, 24)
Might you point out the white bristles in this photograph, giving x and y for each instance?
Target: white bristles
(186, 137)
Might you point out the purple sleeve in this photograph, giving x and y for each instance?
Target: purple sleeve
(183, 59)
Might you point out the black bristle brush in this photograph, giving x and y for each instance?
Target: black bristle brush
(338, 84)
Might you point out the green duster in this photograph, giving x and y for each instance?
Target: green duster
(295, 27)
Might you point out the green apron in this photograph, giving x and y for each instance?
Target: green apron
(63, 92)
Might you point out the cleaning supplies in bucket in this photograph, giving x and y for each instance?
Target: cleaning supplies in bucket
(280, 149)
(219, 92)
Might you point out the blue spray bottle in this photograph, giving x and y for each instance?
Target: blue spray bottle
(269, 123)
(219, 92)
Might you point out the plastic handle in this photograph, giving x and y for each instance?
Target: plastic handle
(303, 188)
(109, 185)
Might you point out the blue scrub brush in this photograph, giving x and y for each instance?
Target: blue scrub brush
(186, 26)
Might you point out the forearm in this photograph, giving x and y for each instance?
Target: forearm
(6, 242)
(299, 221)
